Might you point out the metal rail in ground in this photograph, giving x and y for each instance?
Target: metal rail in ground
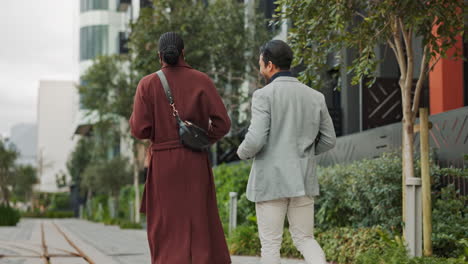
(44, 248)
(73, 245)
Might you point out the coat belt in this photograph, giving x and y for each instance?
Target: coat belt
(173, 144)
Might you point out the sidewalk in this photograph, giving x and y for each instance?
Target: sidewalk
(74, 241)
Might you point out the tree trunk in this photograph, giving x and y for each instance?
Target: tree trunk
(403, 49)
(6, 196)
(407, 141)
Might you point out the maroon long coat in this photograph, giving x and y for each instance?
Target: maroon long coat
(179, 198)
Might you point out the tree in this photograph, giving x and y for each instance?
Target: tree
(25, 177)
(324, 27)
(217, 41)
(8, 157)
(108, 89)
(107, 176)
(79, 159)
(16, 181)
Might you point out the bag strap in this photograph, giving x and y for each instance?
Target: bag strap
(167, 90)
(165, 84)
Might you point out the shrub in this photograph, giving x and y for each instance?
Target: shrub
(49, 214)
(396, 253)
(96, 203)
(392, 255)
(448, 173)
(9, 216)
(341, 245)
(356, 197)
(54, 201)
(59, 201)
(450, 223)
(233, 178)
(244, 241)
(111, 221)
(126, 195)
(361, 194)
(123, 223)
(129, 225)
(107, 176)
(344, 199)
(288, 249)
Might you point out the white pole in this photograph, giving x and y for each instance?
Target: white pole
(232, 211)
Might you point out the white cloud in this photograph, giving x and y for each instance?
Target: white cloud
(38, 40)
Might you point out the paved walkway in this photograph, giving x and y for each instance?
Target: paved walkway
(74, 241)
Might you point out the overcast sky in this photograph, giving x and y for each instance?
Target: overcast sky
(38, 40)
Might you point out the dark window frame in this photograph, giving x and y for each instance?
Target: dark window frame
(90, 5)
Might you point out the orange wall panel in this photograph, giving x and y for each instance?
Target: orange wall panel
(446, 83)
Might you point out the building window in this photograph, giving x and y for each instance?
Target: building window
(87, 5)
(94, 41)
(123, 43)
(146, 4)
(82, 83)
(268, 7)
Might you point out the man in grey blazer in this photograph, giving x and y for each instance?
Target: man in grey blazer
(290, 125)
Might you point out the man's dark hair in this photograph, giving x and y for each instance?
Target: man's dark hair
(278, 52)
(170, 47)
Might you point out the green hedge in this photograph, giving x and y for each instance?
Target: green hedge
(396, 253)
(340, 245)
(55, 201)
(244, 241)
(97, 214)
(49, 214)
(124, 224)
(450, 223)
(9, 216)
(343, 245)
(127, 194)
(359, 195)
(60, 202)
(233, 178)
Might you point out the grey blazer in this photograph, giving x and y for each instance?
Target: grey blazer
(290, 125)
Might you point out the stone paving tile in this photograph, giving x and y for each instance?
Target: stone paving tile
(109, 244)
(11, 260)
(111, 240)
(22, 231)
(124, 246)
(256, 260)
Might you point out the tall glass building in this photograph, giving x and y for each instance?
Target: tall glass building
(104, 25)
(103, 30)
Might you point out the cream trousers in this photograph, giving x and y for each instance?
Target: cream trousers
(270, 219)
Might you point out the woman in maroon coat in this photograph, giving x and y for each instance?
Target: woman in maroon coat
(179, 198)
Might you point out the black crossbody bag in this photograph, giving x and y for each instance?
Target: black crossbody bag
(191, 136)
